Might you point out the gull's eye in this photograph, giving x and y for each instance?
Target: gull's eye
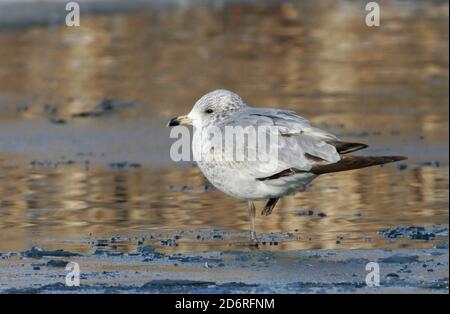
(208, 111)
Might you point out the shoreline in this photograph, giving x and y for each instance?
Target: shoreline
(238, 271)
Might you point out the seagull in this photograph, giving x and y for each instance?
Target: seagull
(303, 152)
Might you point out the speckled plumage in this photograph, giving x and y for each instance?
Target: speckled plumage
(240, 178)
(299, 153)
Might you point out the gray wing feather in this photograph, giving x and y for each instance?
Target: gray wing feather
(296, 139)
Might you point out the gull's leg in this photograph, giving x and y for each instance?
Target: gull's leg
(269, 206)
(251, 215)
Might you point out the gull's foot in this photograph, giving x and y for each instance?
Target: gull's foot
(267, 210)
(254, 243)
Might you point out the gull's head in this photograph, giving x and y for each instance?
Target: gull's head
(215, 105)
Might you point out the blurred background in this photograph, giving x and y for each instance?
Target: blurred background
(84, 151)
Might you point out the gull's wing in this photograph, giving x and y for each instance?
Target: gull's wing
(298, 145)
(289, 122)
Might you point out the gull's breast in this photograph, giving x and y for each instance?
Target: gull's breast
(239, 179)
(236, 180)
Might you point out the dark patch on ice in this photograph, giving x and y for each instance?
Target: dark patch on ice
(195, 259)
(57, 263)
(124, 165)
(38, 252)
(58, 120)
(169, 242)
(104, 107)
(414, 232)
(339, 286)
(401, 259)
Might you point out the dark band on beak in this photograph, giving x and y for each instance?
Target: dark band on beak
(181, 120)
(173, 122)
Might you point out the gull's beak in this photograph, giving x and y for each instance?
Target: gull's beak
(181, 120)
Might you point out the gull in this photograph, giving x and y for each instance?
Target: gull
(303, 152)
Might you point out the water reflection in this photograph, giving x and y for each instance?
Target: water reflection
(73, 203)
(272, 54)
(386, 86)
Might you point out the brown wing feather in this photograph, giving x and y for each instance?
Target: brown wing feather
(354, 162)
(284, 173)
(347, 147)
(346, 163)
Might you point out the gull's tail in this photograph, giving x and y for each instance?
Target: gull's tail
(354, 162)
